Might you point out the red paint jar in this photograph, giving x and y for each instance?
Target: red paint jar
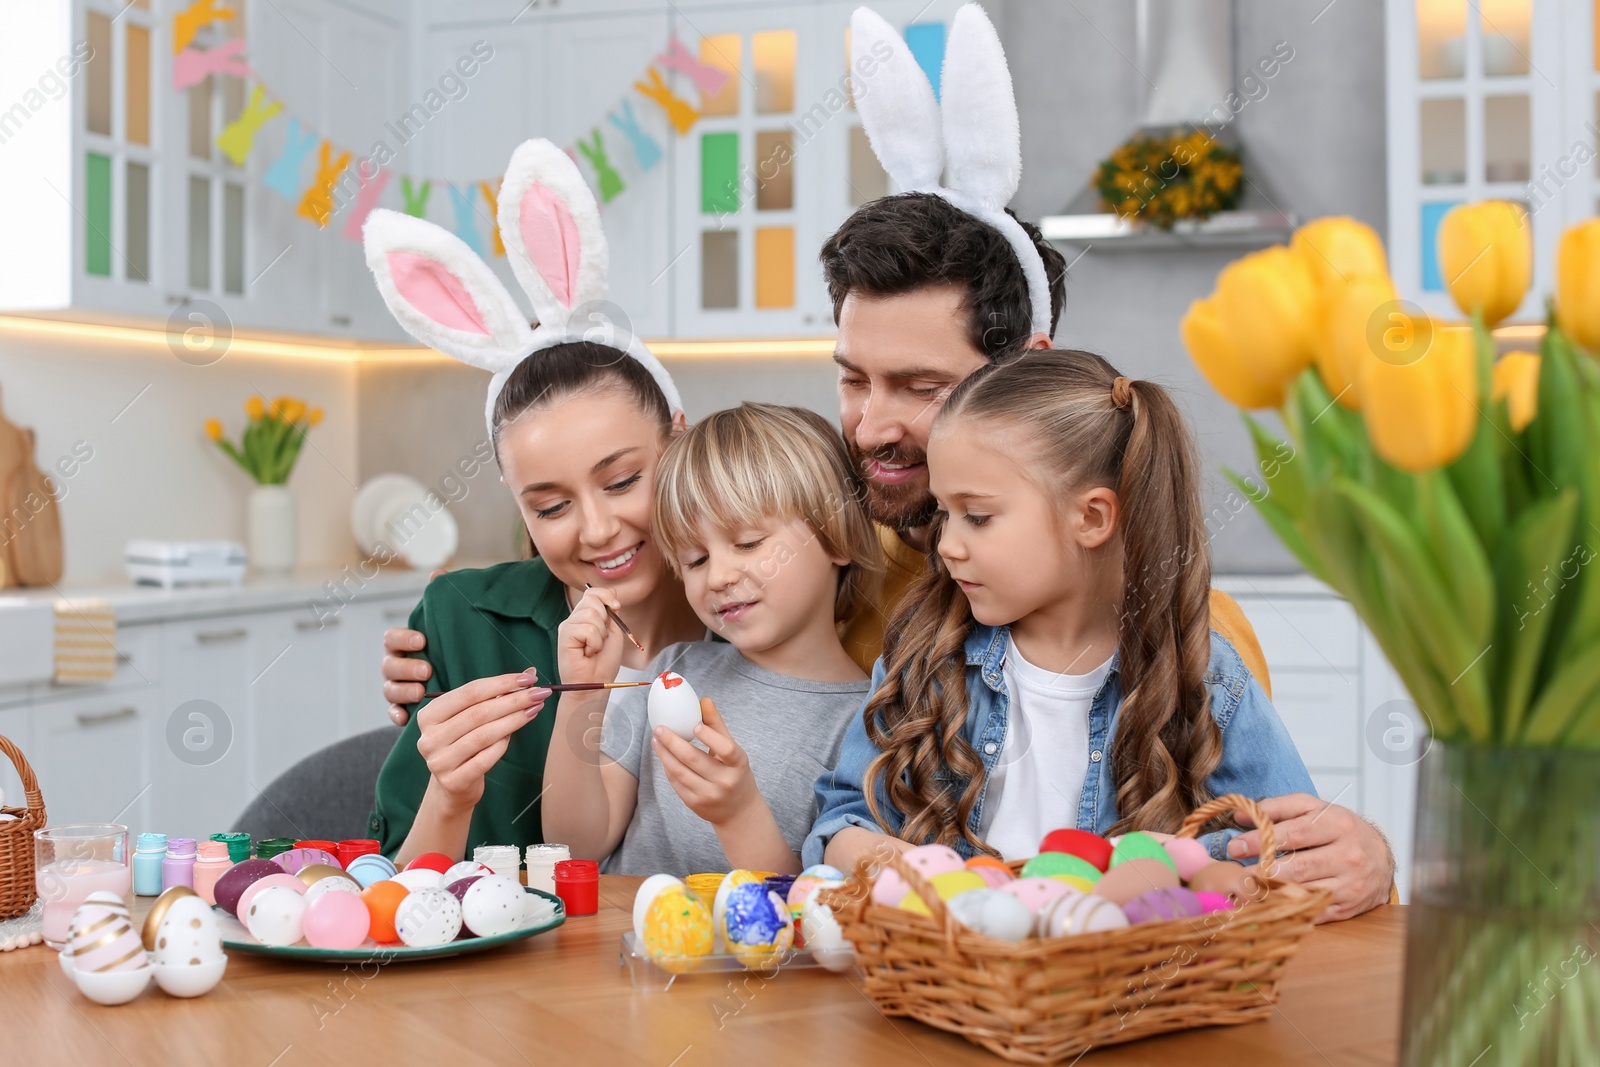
(348, 850)
(578, 886)
(313, 842)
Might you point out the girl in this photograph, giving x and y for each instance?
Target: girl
(1054, 668)
(577, 428)
(760, 511)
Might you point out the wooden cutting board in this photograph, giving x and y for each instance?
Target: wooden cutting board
(30, 519)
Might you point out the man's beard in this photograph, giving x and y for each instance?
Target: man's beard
(908, 506)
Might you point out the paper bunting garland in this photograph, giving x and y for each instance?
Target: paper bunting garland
(595, 153)
(326, 194)
(317, 204)
(240, 135)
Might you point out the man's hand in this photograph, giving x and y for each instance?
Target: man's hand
(1324, 845)
(403, 677)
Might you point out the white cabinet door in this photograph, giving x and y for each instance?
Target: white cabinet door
(92, 755)
(297, 691)
(199, 744)
(363, 626)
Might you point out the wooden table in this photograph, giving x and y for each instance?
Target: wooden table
(563, 998)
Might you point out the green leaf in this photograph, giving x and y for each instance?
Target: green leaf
(1282, 525)
(1571, 436)
(1278, 463)
(1568, 703)
(1538, 540)
(1458, 553)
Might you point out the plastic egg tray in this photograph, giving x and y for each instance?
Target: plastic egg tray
(647, 974)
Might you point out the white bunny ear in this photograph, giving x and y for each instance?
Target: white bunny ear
(982, 136)
(442, 293)
(896, 102)
(550, 225)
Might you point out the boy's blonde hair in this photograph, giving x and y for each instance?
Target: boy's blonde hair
(745, 465)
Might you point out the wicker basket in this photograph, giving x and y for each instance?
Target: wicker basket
(17, 888)
(1046, 1000)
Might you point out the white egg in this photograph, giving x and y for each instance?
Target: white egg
(648, 890)
(334, 883)
(428, 917)
(673, 704)
(494, 904)
(823, 937)
(989, 911)
(188, 934)
(465, 869)
(276, 916)
(420, 878)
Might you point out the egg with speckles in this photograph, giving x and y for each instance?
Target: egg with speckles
(648, 889)
(187, 934)
(494, 904)
(276, 916)
(428, 917)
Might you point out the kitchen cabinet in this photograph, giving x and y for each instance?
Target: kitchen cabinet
(200, 745)
(364, 624)
(92, 755)
(296, 703)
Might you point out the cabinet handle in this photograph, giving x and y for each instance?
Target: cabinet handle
(102, 717)
(314, 624)
(211, 637)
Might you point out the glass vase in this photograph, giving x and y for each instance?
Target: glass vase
(1504, 924)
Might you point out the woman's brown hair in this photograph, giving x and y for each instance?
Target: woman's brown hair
(1089, 427)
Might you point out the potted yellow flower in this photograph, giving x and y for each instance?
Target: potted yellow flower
(1454, 499)
(267, 451)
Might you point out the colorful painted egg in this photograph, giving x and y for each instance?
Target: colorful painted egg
(889, 888)
(989, 911)
(734, 880)
(236, 879)
(1141, 846)
(672, 703)
(428, 917)
(809, 882)
(1037, 893)
(371, 867)
(993, 876)
(648, 889)
(1081, 913)
(756, 925)
(823, 936)
(335, 920)
(432, 861)
(677, 930)
(1188, 855)
(417, 878)
(279, 880)
(1210, 902)
(383, 899)
(188, 935)
(332, 884)
(494, 904)
(929, 860)
(1062, 865)
(952, 884)
(296, 858)
(316, 872)
(1135, 877)
(1230, 879)
(276, 916)
(1091, 848)
(1174, 902)
(103, 938)
(465, 869)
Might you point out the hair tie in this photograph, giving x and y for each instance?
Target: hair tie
(1122, 392)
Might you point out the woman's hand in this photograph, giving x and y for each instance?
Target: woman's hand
(467, 730)
(716, 785)
(404, 678)
(588, 646)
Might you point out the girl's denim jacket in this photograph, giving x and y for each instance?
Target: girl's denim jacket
(1258, 757)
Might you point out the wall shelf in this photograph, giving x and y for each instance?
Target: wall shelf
(1225, 229)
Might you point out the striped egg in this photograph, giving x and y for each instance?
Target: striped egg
(1080, 913)
(103, 938)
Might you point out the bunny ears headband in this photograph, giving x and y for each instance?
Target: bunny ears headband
(447, 298)
(975, 137)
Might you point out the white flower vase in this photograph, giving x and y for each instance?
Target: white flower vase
(272, 530)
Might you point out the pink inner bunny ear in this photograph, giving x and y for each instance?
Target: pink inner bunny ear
(550, 235)
(427, 285)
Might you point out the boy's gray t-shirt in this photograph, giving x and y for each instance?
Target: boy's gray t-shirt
(789, 728)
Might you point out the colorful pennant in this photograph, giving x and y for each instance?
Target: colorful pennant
(415, 197)
(680, 112)
(189, 21)
(595, 152)
(645, 150)
(193, 65)
(366, 199)
(491, 196)
(708, 79)
(317, 203)
(239, 137)
(466, 222)
(283, 177)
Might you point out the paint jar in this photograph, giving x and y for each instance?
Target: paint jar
(578, 886)
(148, 852)
(238, 845)
(177, 867)
(501, 859)
(542, 860)
(349, 849)
(212, 861)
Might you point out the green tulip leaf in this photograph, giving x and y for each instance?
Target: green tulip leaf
(1278, 466)
(1536, 543)
(1458, 554)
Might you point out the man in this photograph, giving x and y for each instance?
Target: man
(924, 294)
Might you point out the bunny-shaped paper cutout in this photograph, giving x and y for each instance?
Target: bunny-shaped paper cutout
(445, 296)
(973, 139)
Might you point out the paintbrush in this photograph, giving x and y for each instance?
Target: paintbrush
(620, 624)
(572, 687)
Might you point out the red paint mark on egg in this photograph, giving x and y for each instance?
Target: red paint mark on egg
(670, 680)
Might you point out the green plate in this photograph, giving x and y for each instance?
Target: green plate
(235, 938)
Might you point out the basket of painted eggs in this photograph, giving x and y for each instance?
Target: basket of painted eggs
(1089, 943)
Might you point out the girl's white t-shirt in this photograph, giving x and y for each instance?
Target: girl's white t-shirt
(1038, 778)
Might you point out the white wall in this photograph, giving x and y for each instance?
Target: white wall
(153, 472)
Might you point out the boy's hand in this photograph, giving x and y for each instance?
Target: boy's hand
(716, 785)
(588, 645)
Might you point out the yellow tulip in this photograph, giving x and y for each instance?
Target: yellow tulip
(1353, 320)
(1213, 352)
(1516, 381)
(292, 410)
(214, 429)
(314, 417)
(1423, 414)
(1339, 249)
(1486, 257)
(1578, 284)
(1267, 303)
(255, 407)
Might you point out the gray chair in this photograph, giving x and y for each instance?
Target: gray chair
(328, 795)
